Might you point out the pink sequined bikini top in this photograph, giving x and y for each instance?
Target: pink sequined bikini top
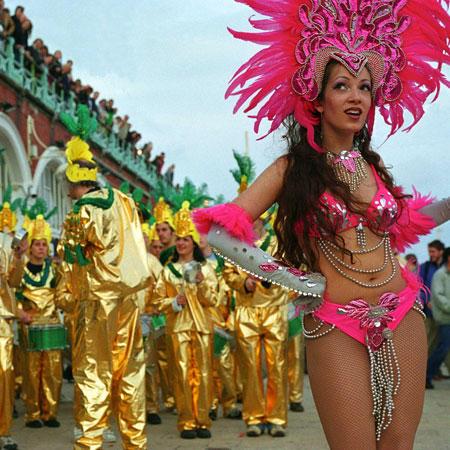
(381, 213)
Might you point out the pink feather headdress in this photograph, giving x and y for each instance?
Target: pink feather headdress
(403, 43)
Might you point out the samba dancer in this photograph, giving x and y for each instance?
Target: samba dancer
(103, 245)
(340, 211)
(44, 337)
(189, 327)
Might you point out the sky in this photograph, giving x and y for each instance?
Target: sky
(167, 64)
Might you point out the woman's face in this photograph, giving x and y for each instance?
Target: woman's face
(345, 102)
(184, 245)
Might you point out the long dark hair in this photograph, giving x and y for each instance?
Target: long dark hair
(307, 175)
(198, 254)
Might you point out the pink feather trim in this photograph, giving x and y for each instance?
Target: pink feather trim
(236, 220)
(411, 223)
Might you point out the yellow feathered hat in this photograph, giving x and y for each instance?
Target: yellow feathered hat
(38, 229)
(79, 149)
(163, 213)
(184, 225)
(150, 231)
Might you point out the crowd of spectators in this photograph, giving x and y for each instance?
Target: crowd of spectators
(39, 60)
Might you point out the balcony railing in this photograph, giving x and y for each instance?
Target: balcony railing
(40, 88)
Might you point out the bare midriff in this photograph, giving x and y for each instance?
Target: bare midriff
(342, 290)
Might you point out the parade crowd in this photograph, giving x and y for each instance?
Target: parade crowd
(37, 57)
(155, 319)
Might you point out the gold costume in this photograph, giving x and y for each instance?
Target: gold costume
(144, 302)
(103, 245)
(42, 370)
(8, 310)
(261, 317)
(190, 332)
(296, 368)
(223, 379)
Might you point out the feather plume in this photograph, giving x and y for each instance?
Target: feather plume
(263, 87)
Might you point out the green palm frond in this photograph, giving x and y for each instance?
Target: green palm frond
(84, 126)
(195, 197)
(245, 167)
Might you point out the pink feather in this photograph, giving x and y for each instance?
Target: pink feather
(236, 220)
(411, 223)
(263, 83)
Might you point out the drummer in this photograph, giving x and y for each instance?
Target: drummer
(147, 311)
(189, 326)
(223, 379)
(42, 370)
(261, 319)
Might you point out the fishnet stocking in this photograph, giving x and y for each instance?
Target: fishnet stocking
(340, 381)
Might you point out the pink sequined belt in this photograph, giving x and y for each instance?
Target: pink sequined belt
(369, 324)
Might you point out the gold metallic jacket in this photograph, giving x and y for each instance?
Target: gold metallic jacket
(103, 235)
(37, 294)
(262, 296)
(144, 296)
(8, 306)
(195, 315)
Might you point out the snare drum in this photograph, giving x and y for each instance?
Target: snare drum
(52, 336)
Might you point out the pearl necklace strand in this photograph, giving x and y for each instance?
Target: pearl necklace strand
(334, 260)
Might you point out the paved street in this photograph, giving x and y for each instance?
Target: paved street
(304, 431)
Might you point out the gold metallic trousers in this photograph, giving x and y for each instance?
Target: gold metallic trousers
(296, 368)
(224, 386)
(151, 375)
(256, 327)
(109, 370)
(193, 378)
(6, 378)
(164, 359)
(42, 380)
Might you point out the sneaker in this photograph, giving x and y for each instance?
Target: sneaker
(296, 407)
(34, 424)
(108, 436)
(213, 414)
(8, 443)
(255, 430)
(52, 423)
(15, 413)
(153, 419)
(429, 385)
(188, 434)
(234, 413)
(276, 430)
(77, 433)
(203, 433)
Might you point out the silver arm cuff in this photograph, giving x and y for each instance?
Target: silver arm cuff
(310, 286)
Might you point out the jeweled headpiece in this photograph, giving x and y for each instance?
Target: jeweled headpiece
(163, 213)
(78, 148)
(184, 225)
(38, 229)
(403, 43)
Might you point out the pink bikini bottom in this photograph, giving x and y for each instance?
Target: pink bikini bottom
(362, 321)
